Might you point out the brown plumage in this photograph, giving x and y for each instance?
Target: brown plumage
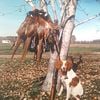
(34, 25)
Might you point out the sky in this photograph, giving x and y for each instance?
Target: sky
(13, 13)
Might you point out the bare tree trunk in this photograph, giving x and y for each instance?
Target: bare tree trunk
(67, 32)
(63, 3)
(43, 5)
(68, 28)
(48, 81)
(54, 9)
(31, 4)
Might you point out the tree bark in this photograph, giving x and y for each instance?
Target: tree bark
(66, 36)
(63, 3)
(43, 5)
(54, 9)
(68, 24)
(48, 81)
(31, 4)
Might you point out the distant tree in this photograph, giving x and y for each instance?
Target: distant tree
(96, 41)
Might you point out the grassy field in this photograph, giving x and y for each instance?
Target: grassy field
(74, 48)
(84, 48)
(5, 49)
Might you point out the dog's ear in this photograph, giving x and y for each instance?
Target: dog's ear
(69, 63)
(58, 63)
(74, 81)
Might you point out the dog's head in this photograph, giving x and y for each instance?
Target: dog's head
(64, 65)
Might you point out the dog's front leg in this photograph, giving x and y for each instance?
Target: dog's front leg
(61, 90)
(68, 92)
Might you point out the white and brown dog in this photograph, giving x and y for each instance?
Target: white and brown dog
(69, 79)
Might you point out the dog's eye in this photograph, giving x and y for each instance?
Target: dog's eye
(68, 65)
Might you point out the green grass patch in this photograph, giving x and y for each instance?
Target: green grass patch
(83, 49)
(5, 49)
(79, 48)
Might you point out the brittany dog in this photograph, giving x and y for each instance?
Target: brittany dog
(69, 80)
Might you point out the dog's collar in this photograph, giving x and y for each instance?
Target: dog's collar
(66, 77)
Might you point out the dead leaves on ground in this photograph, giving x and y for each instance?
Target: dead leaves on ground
(23, 81)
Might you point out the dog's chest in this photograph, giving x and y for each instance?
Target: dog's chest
(71, 74)
(66, 79)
